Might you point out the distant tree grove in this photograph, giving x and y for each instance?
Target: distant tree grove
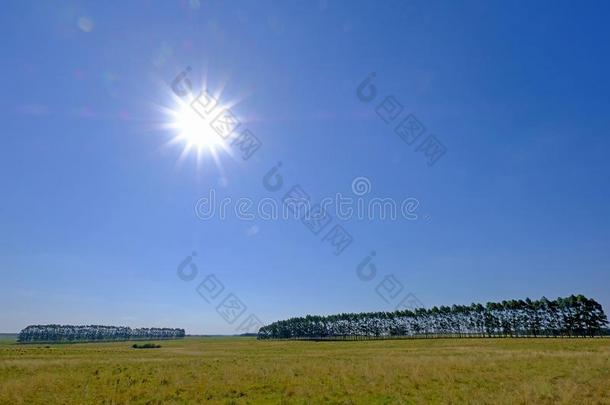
(573, 316)
(71, 333)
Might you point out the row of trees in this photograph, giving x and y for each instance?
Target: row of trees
(71, 333)
(571, 316)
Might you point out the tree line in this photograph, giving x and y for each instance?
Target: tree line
(72, 333)
(573, 316)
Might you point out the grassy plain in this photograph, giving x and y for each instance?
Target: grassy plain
(243, 370)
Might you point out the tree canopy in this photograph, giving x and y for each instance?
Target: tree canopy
(70, 333)
(575, 315)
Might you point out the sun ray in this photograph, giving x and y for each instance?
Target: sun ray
(192, 132)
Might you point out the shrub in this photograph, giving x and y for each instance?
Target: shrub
(145, 346)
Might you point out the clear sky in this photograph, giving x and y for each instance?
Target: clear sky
(97, 208)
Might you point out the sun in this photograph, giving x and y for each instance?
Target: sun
(194, 131)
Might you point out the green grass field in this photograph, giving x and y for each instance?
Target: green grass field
(243, 370)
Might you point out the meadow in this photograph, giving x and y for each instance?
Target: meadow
(243, 370)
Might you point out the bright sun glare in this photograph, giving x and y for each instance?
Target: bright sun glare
(194, 131)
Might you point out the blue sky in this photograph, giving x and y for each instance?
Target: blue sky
(97, 209)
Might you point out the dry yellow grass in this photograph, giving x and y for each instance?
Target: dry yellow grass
(243, 370)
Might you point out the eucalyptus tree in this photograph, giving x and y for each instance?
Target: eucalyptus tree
(84, 333)
(570, 316)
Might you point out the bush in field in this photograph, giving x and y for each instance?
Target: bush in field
(71, 333)
(146, 346)
(571, 316)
